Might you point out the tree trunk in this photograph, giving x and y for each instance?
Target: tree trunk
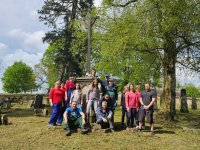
(194, 102)
(169, 89)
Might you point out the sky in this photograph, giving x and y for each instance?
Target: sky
(21, 35)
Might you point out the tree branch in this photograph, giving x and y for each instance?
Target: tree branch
(123, 5)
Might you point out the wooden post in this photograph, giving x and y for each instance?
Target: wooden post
(184, 105)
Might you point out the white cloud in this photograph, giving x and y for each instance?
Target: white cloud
(3, 46)
(29, 40)
(20, 55)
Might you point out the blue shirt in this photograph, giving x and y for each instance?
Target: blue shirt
(73, 114)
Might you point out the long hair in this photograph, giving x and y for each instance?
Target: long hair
(93, 83)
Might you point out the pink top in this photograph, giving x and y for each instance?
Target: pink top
(131, 100)
(138, 96)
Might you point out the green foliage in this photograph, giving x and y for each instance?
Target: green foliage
(192, 90)
(19, 78)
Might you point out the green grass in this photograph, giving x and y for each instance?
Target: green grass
(30, 132)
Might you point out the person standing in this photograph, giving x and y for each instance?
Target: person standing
(56, 97)
(112, 89)
(131, 106)
(147, 99)
(76, 95)
(123, 105)
(104, 84)
(70, 86)
(92, 99)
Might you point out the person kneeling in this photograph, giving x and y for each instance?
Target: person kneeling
(74, 118)
(104, 117)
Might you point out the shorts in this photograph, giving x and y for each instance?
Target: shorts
(147, 113)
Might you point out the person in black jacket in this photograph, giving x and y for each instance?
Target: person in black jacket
(123, 106)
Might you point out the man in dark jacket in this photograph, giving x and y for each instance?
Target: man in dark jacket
(104, 117)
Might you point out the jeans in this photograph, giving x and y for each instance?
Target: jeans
(123, 115)
(131, 115)
(89, 105)
(109, 124)
(57, 112)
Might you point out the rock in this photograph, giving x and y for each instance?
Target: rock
(194, 102)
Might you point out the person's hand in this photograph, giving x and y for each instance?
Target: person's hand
(51, 104)
(146, 107)
(104, 119)
(83, 121)
(115, 105)
(87, 101)
(128, 109)
(120, 107)
(137, 109)
(109, 116)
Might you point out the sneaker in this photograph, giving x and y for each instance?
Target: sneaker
(137, 127)
(112, 130)
(50, 125)
(143, 127)
(68, 132)
(59, 124)
(107, 130)
(84, 131)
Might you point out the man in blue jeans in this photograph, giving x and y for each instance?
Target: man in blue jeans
(105, 117)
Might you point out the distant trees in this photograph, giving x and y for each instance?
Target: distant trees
(192, 90)
(19, 78)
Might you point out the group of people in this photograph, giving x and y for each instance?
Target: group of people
(67, 102)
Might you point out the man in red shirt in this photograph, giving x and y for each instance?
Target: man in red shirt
(70, 86)
(56, 96)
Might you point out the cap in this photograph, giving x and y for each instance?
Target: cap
(107, 75)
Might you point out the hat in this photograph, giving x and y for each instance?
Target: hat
(107, 75)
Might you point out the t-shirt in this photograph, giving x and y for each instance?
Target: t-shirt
(57, 95)
(73, 114)
(147, 97)
(70, 85)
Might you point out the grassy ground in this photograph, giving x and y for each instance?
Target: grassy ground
(30, 132)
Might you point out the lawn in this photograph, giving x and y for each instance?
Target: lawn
(26, 132)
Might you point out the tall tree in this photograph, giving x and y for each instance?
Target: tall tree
(166, 29)
(61, 16)
(19, 78)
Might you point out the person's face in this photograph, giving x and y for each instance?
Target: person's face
(104, 106)
(77, 86)
(131, 87)
(73, 105)
(147, 86)
(57, 85)
(62, 85)
(93, 73)
(107, 97)
(107, 78)
(111, 83)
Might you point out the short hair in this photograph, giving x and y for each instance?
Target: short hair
(104, 103)
(74, 102)
(58, 82)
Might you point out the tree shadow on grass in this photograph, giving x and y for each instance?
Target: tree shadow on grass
(163, 132)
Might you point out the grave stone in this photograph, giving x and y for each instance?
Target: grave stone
(194, 102)
(4, 119)
(184, 105)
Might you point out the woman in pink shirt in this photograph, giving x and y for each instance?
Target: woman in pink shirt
(131, 100)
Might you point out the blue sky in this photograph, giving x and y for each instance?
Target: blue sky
(21, 36)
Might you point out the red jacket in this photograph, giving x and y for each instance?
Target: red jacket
(138, 96)
(131, 100)
(57, 95)
(70, 85)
